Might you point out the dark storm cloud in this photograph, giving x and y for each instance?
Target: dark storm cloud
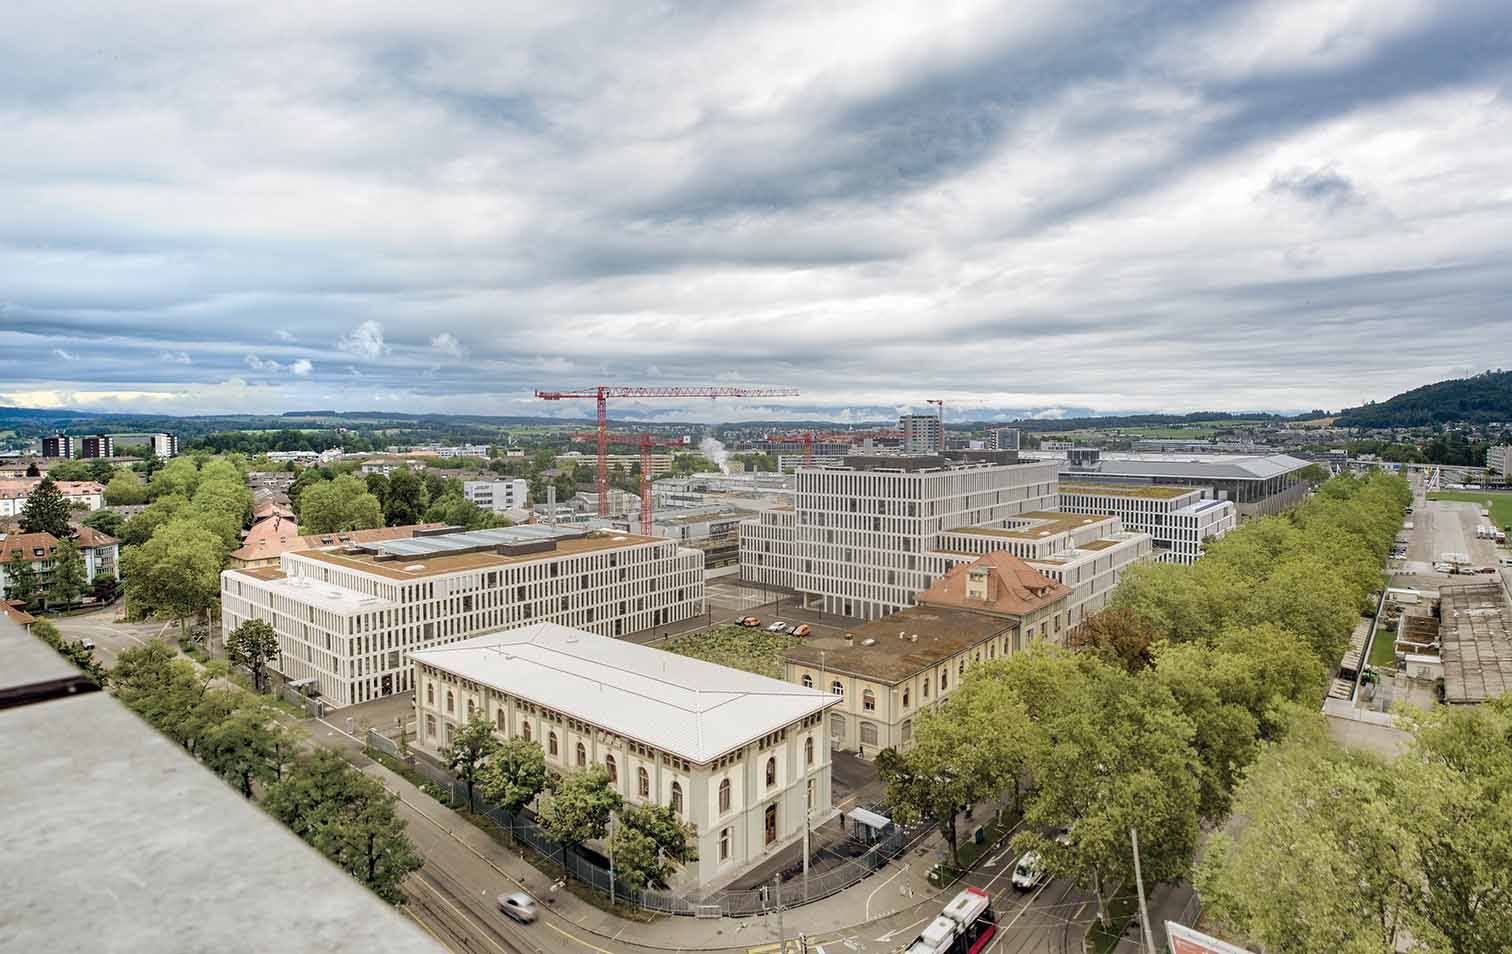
(1035, 208)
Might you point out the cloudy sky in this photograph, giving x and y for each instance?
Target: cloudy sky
(1035, 207)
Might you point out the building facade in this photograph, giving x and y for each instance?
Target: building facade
(740, 757)
(1499, 460)
(1257, 485)
(346, 615)
(498, 495)
(58, 445)
(101, 555)
(165, 445)
(922, 433)
(660, 463)
(858, 538)
(1180, 519)
(14, 493)
(96, 446)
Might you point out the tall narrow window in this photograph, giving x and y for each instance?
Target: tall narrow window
(451, 702)
(724, 796)
(771, 772)
(551, 745)
(612, 769)
(869, 700)
(525, 730)
(808, 751)
(430, 694)
(582, 755)
(677, 803)
(644, 783)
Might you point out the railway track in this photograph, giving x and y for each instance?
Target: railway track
(458, 922)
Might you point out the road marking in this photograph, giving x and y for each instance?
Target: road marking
(1003, 929)
(425, 927)
(574, 937)
(483, 932)
(879, 888)
(902, 930)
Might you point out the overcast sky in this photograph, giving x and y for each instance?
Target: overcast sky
(1018, 207)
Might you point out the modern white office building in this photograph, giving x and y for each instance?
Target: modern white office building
(498, 495)
(742, 758)
(1499, 460)
(165, 445)
(857, 541)
(345, 615)
(1181, 519)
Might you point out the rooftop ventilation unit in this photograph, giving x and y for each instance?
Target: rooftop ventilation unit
(414, 568)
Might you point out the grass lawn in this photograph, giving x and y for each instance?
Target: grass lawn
(754, 650)
(1120, 911)
(1382, 651)
(1501, 502)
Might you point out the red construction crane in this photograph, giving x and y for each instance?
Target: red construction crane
(602, 392)
(645, 442)
(809, 438)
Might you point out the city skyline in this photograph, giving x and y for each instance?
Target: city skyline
(1268, 206)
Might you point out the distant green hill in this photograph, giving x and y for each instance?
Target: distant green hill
(1482, 399)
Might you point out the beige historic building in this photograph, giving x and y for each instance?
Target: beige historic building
(740, 757)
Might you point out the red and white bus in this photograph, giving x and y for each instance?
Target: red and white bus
(965, 926)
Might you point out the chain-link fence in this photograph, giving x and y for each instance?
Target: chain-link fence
(832, 869)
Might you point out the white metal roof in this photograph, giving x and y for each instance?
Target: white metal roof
(1196, 466)
(694, 709)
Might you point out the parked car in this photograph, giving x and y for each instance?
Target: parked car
(778, 627)
(1029, 874)
(518, 906)
(801, 630)
(87, 643)
(750, 622)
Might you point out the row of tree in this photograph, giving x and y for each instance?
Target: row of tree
(647, 844)
(1180, 684)
(1347, 852)
(328, 501)
(342, 813)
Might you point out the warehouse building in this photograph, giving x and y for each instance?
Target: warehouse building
(740, 757)
(498, 496)
(1180, 519)
(345, 616)
(1256, 485)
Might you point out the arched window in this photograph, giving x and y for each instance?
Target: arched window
(724, 796)
(643, 782)
(808, 751)
(469, 710)
(905, 730)
(582, 755)
(724, 844)
(525, 730)
(677, 805)
(551, 744)
(962, 668)
(869, 733)
(771, 772)
(808, 681)
(905, 697)
(430, 726)
(837, 727)
(451, 701)
(944, 679)
(836, 688)
(612, 769)
(430, 694)
(869, 700)
(502, 721)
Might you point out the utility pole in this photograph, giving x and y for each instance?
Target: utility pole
(1144, 911)
(611, 861)
(777, 900)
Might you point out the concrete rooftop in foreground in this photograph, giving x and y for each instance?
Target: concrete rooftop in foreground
(117, 840)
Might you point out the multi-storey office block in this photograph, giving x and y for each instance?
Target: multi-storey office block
(345, 616)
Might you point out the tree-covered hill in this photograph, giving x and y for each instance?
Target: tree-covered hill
(1482, 399)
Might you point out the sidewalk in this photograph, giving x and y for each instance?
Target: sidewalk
(1167, 903)
(900, 886)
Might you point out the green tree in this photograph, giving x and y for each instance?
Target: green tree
(347, 817)
(178, 477)
(1321, 863)
(579, 807)
(1313, 473)
(176, 574)
(945, 772)
(377, 485)
(70, 470)
(72, 650)
(21, 580)
(139, 529)
(101, 471)
(335, 506)
(107, 522)
(253, 644)
(1120, 637)
(406, 500)
(649, 843)
(1306, 596)
(46, 511)
(471, 746)
(244, 748)
(68, 577)
(514, 775)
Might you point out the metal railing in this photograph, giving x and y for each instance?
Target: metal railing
(830, 872)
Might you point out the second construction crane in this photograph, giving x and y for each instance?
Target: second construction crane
(602, 392)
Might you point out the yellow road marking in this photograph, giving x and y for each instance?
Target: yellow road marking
(483, 933)
(573, 937)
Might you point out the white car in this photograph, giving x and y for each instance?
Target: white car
(517, 906)
(1029, 874)
(777, 627)
(87, 643)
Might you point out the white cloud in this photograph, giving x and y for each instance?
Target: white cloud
(447, 344)
(259, 364)
(282, 335)
(65, 355)
(364, 341)
(175, 357)
(301, 367)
